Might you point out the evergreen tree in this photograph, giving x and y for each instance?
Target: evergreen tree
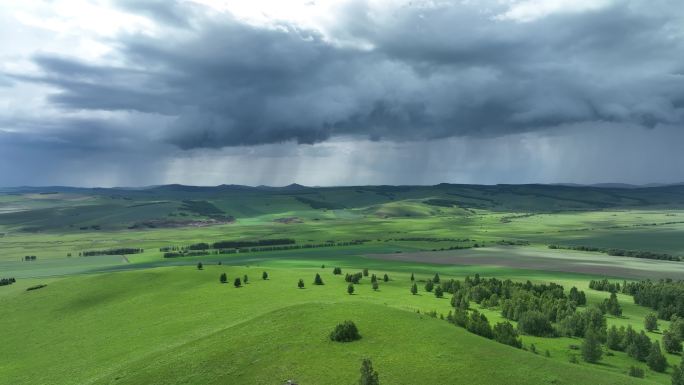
(577, 296)
(439, 292)
(356, 278)
(414, 289)
(368, 375)
(639, 347)
(365, 272)
(374, 278)
(671, 343)
(345, 332)
(244, 279)
(375, 285)
(318, 280)
(428, 285)
(505, 333)
(199, 266)
(223, 278)
(237, 282)
(612, 306)
(678, 373)
(656, 360)
(436, 278)
(264, 275)
(677, 327)
(614, 339)
(591, 347)
(535, 323)
(337, 271)
(385, 278)
(635, 371)
(412, 277)
(350, 289)
(651, 322)
(300, 283)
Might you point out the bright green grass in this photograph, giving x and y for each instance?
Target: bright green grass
(165, 322)
(180, 325)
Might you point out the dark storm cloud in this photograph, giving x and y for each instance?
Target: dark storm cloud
(430, 72)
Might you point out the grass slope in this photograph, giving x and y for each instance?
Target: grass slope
(179, 325)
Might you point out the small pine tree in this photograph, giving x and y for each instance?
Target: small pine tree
(375, 285)
(374, 278)
(651, 322)
(199, 266)
(345, 332)
(368, 375)
(412, 277)
(614, 339)
(671, 343)
(385, 278)
(264, 275)
(429, 285)
(436, 278)
(439, 292)
(612, 306)
(237, 282)
(318, 280)
(591, 347)
(414, 289)
(678, 374)
(656, 360)
(635, 371)
(365, 272)
(350, 289)
(223, 278)
(244, 279)
(300, 284)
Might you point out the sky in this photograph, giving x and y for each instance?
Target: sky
(208, 92)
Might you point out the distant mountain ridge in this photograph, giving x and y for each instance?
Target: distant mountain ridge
(296, 186)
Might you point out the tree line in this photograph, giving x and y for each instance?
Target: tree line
(119, 251)
(199, 249)
(621, 252)
(7, 281)
(665, 296)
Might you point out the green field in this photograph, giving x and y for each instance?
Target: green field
(145, 319)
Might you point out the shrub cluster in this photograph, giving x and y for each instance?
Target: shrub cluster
(345, 332)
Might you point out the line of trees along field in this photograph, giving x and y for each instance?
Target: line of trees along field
(233, 247)
(621, 252)
(119, 251)
(666, 297)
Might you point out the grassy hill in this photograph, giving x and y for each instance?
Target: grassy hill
(127, 317)
(179, 325)
(73, 209)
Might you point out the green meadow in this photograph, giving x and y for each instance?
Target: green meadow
(142, 318)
